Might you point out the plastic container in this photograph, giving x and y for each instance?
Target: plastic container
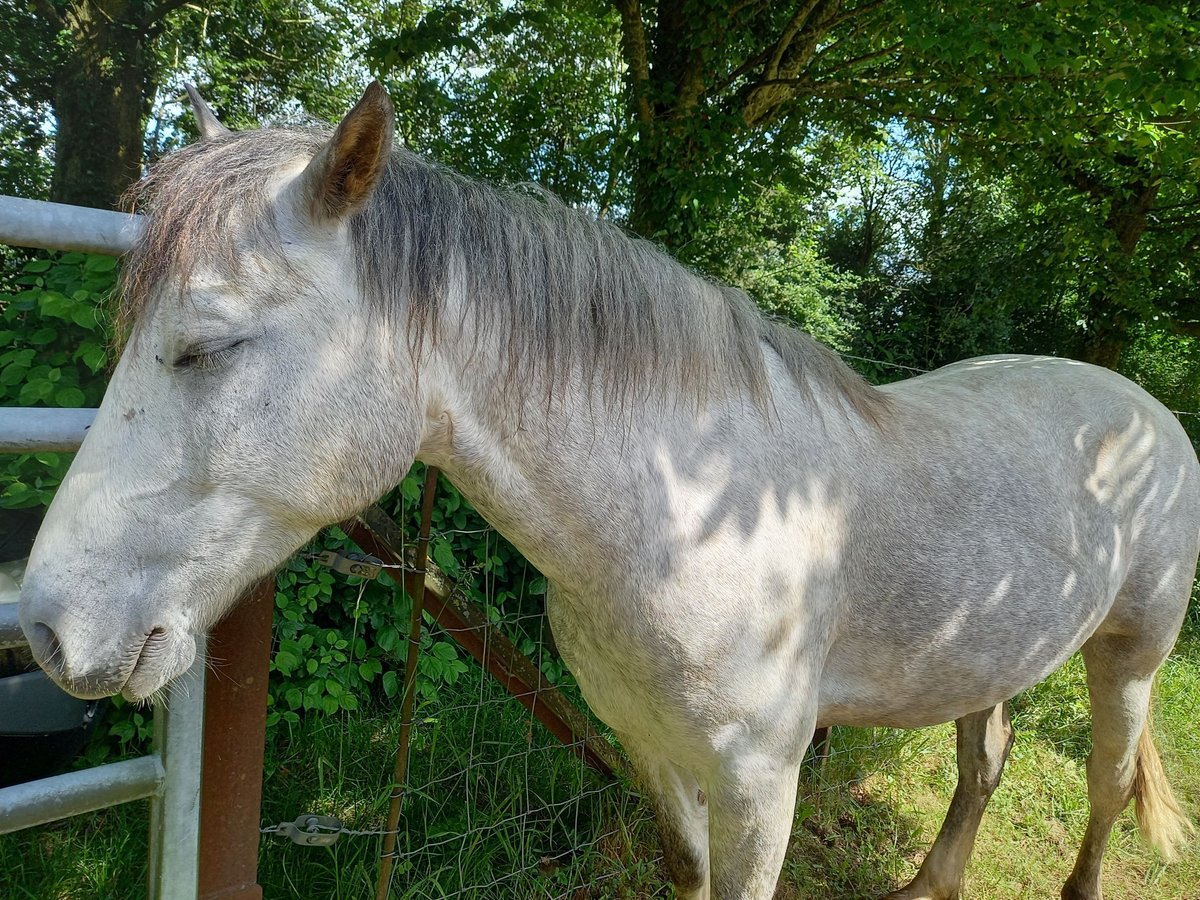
(42, 728)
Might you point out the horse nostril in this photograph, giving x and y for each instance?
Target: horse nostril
(43, 642)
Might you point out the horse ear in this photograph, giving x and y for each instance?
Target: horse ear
(341, 177)
(206, 119)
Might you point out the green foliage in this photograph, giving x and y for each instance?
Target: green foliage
(1089, 109)
(26, 170)
(932, 242)
(52, 327)
(341, 642)
(1168, 366)
(260, 60)
(502, 91)
(126, 730)
(768, 244)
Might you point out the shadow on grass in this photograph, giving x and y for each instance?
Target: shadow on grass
(850, 838)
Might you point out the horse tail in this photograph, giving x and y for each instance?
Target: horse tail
(1160, 818)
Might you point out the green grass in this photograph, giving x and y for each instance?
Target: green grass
(497, 809)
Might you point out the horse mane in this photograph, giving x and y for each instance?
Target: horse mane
(554, 287)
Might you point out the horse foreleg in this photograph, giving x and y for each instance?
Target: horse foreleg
(752, 804)
(681, 813)
(984, 739)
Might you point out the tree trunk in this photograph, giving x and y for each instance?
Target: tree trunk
(666, 178)
(666, 79)
(1111, 311)
(1108, 334)
(100, 104)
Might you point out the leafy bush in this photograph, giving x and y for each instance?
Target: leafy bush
(341, 642)
(51, 323)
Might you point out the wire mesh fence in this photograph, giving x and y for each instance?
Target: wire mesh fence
(494, 805)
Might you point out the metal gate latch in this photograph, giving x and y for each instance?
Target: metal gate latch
(311, 830)
(351, 563)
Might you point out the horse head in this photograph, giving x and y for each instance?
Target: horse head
(256, 401)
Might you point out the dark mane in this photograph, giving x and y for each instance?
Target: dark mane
(554, 286)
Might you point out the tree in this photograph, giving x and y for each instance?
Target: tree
(98, 66)
(1092, 106)
(91, 61)
(1092, 110)
(514, 93)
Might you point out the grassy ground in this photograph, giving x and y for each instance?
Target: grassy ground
(497, 810)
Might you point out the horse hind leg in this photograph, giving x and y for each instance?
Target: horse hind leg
(1124, 763)
(984, 739)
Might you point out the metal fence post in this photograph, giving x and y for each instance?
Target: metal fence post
(235, 736)
(175, 813)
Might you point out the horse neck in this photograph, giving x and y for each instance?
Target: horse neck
(550, 467)
(585, 486)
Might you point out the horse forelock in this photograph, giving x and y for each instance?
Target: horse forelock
(204, 205)
(555, 288)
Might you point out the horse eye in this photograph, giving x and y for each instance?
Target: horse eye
(202, 357)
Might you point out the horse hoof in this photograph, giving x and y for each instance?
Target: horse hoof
(915, 893)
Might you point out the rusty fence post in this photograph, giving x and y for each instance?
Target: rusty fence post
(235, 728)
(387, 856)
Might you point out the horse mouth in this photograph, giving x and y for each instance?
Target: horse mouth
(138, 676)
(164, 657)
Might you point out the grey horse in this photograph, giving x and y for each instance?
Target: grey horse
(743, 539)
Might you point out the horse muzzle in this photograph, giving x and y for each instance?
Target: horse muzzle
(94, 659)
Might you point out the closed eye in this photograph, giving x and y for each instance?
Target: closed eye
(207, 356)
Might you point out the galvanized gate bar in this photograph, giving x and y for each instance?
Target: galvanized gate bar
(235, 736)
(375, 532)
(56, 226)
(34, 430)
(175, 813)
(75, 793)
(11, 634)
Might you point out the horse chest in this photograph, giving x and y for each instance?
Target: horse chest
(619, 670)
